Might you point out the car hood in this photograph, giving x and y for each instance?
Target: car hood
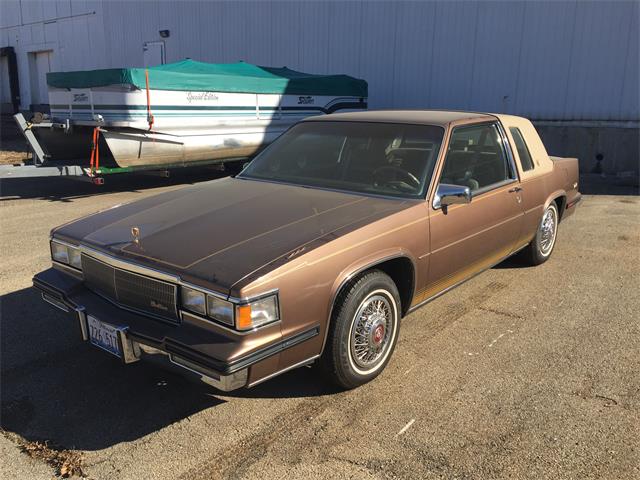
(218, 232)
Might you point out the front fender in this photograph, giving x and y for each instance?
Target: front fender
(360, 266)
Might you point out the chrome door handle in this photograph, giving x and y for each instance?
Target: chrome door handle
(515, 190)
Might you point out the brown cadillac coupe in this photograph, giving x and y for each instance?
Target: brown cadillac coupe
(317, 249)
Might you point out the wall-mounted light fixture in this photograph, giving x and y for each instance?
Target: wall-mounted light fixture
(164, 33)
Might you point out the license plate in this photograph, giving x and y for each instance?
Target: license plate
(104, 336)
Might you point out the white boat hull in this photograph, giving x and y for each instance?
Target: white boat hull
(140, 148)
(187, 127)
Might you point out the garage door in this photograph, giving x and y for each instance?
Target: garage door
(39, 66)
(5, 88)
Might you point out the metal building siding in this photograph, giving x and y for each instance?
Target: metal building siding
(629, 99)
(494, 69)
(233, 32)
(125, 25)
(32, 12)
(453, 55)
(63, 8)
(544, 62)
(285, 48)
(9, 14)
(376, 53)
(344, 37)
(315, 29)
(258, 34)
(563, 60)
(413, 54)
(597, 62)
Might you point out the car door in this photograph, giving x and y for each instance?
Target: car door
(468, 238)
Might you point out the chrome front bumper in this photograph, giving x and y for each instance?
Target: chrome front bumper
(133, 350)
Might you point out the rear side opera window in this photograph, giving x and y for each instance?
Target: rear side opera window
(523, 151)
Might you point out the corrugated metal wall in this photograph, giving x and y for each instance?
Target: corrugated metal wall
(564, 60)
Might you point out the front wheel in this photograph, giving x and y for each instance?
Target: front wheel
(363, 330)
(541, 247)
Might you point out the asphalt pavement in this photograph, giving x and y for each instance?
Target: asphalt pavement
(522, 373)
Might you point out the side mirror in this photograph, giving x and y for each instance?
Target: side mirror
(451, 195)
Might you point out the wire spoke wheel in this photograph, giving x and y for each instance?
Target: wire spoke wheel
(372, 331)
(548, 231)
(363, 331)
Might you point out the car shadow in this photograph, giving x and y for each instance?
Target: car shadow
(56, 388)
(300, 382)
(514, 261)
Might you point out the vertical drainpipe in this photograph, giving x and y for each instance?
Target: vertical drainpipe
(14, 85)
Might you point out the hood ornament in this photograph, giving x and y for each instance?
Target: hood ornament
(135, 233)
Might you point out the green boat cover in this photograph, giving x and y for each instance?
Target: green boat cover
(215, 77)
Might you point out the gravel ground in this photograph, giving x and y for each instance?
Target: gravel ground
(13, 152)
(13, 146)
(519, 373)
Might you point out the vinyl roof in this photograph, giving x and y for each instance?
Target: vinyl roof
(428, 117)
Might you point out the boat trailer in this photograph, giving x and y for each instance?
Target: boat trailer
(41, 164)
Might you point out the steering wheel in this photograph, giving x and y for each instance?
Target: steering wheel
(412, 179)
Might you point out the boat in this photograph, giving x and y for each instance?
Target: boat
(183, 113)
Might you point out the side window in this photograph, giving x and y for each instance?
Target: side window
(476, 158)
(523, 151)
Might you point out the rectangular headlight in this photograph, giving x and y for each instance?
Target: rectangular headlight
(59, 252)
(193, 300)
(257, 313)
(220, 310)
(63, 253)
(74, 257)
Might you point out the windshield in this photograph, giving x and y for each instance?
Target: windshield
(375, 158)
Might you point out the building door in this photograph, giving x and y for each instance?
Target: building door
(39, 66)
(153, 53)
(5, 86)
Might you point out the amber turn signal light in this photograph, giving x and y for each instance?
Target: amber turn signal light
(243, 318)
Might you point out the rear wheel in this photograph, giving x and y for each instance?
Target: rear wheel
(541, 247)
(363, 331)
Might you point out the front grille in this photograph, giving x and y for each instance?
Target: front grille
(131, 290)
(99, 276)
